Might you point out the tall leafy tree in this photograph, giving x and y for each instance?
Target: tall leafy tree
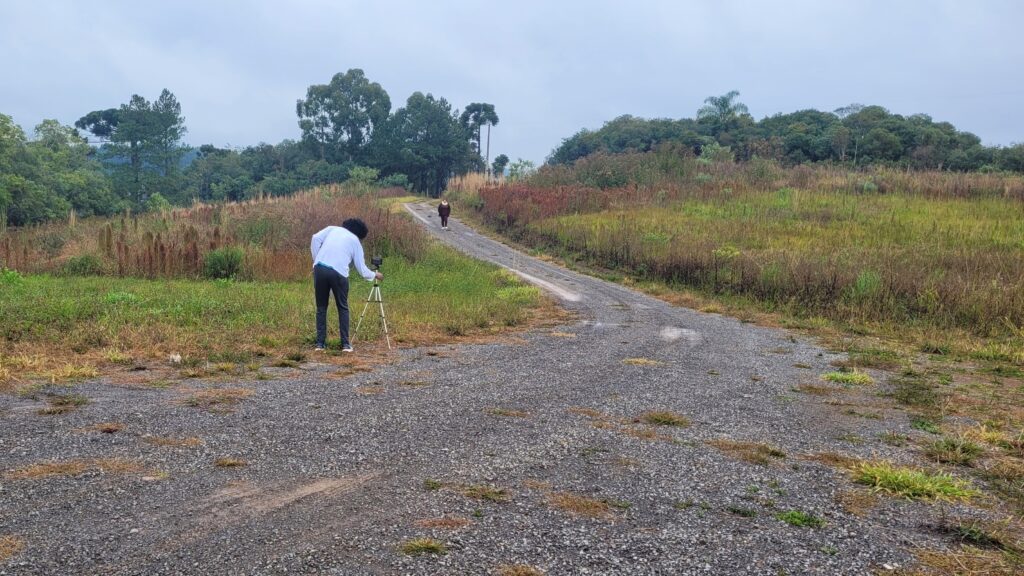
(144, 147)
(69, 170)
(338, 119)
(165, 149)
(498, 167)
(425, 141)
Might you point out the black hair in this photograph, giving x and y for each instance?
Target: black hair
(356, 226)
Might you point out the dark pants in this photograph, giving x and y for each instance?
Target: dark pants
(325, 281)
(444, 220)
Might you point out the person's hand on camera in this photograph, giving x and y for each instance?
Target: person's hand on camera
(379, 276)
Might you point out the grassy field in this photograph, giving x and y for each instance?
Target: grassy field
(934, 259)
(59, 325)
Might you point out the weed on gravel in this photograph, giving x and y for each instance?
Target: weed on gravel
(641, 362)
(753, 452)
(580, 505)
(893, 438)
(420, 546)
(800, 519)
(107, 427)
(76, 468)
(167, 441)
(741, 511)
(227, 462)
(967, 560)
(10, 546)
(857, 502)
(912, 483)
(588, 412)
(664, 418)
(482, 492)
(925, 424)
(983, 534)
(518, 570)
(814, 389)
(848, 378)
(218, 399)
(953, 450)
(62, 404)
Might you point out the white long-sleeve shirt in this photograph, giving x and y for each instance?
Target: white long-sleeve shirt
(336, 248)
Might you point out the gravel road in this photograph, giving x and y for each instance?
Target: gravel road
(341, 471)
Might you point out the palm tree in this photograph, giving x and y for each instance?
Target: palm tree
(722, 112)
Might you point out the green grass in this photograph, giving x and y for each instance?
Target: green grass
(925, 424)
(800, 519)
(954, 450)
(848, 378)
(85, 318)
(912, 483)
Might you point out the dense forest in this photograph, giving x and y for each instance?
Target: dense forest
(137, 159)
(854, 135)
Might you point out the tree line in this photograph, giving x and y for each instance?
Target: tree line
(138, 160)
(854, 135)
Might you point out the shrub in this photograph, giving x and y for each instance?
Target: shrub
(84, 265)
(395, 181)
(363, 175)
(223, 263)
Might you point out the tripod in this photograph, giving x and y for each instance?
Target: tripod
(375, 297)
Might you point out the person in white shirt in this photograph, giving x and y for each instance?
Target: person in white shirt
(334, 249)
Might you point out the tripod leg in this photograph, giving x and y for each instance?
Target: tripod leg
(352, 337)
(383, 320)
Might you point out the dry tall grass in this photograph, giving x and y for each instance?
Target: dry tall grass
(938, 250)
(272, 233)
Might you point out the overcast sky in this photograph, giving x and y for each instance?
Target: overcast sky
(549, 67)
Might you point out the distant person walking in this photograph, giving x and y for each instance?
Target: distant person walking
(334, 250)
(444, 209)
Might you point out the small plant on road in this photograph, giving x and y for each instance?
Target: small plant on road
(912, 483)
(664, 418)
(801, 519)
(848, 378)
(419, 546)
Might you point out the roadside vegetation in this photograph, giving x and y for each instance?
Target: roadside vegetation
(224, 289)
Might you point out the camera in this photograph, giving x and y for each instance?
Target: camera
(376, 261)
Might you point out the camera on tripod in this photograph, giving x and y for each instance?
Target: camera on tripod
(375, 298)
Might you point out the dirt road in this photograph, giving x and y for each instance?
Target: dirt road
(526, 452)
